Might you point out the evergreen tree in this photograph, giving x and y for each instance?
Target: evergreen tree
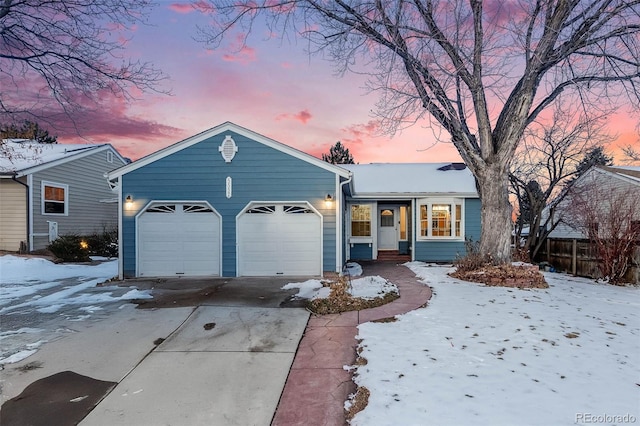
(596, 156)
(28, 130)
(338, 154)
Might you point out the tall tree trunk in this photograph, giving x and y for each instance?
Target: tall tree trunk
(495, 238)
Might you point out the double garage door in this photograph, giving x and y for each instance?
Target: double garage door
(272, 239)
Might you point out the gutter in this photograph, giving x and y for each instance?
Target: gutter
(15, 179)
(340, 221)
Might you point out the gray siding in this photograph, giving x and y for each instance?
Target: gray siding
(258, 172)
(447, 251)
(87, 187)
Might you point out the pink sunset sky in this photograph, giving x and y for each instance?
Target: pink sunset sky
(269, 86)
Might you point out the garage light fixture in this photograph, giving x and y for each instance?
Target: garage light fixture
(128, 202)
(328, 200)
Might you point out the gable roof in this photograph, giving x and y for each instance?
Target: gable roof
(225, 127)
(21, 157)
(411, 179)
(629, 172)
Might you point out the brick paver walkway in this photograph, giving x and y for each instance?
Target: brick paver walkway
(318, 384)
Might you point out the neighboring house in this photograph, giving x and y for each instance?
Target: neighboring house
(231, 202)
(625, 179)
(47, 190)
(587, 206)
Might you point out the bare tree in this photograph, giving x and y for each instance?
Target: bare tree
(632, 155)
(66, 53)
(482, 70)
(609, 215)
(547, 159)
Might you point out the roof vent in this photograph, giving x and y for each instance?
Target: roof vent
(228, 149)
(453, 166)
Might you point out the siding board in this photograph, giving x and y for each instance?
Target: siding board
(87, 186)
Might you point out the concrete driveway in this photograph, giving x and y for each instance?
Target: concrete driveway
(223, 360)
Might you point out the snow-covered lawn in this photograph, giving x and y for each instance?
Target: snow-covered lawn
(39, 300)
(481, 355)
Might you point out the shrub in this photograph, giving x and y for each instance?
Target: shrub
(69, 248)
(473, 260)
(104, 243)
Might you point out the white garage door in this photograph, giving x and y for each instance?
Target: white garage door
(178, 239)
(279, 239)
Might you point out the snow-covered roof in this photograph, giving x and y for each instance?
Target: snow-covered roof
(632, 172)
(411, 179)
(20, 156)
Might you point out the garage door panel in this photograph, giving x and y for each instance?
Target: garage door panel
(176, 240)
(282, 239)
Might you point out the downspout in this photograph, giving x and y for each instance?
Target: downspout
(340, 217)
(15, 179)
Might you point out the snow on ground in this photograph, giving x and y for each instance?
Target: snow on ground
(365, 288)
(38, 298)
(481, 355)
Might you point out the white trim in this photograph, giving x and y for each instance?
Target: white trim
(120, 239)
(280, 202)
(412, 195)
(84, 152)
(150, 203)
(414, 230)
(215, 131)
(451, 201)
(66, 197)
(338, 212)
(30, 204)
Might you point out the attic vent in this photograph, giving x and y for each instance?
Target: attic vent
(228, 149)
(453, 166)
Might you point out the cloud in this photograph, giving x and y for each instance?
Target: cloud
(358, 133)
(303, 116)
(239, 51)
(198, 6)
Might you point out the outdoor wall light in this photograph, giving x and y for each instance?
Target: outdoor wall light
(128, 202)
(328, 200)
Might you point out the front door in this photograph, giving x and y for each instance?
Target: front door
(388, 228)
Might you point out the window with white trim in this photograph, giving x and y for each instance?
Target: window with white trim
(361, 220)
(440, 219)
(55, 199)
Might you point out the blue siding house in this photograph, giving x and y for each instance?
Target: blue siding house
(231, 202)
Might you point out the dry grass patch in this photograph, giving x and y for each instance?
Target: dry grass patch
(358, 402)
(517, 276)
(340, 300)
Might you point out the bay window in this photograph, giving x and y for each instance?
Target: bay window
(440, 218)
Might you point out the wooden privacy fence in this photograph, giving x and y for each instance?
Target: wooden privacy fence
(578, 257)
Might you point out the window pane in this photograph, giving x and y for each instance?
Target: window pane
(53, 207)
(386, 218)
(51, 193)
(403, 223)
(441, 220)
(361, 220)
(458, 219)
(424, 221)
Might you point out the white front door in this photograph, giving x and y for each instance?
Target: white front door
(387, 228)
